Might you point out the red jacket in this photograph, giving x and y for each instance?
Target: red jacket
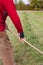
(9, 7)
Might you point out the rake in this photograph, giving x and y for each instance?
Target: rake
(38, 50)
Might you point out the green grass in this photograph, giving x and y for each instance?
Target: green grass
(33, 29)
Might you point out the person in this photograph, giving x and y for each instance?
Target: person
(7, 8)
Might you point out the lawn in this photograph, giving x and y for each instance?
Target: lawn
(32, 23)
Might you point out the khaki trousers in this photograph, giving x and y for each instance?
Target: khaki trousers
(6, 49)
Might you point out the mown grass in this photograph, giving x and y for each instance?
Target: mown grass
(33, 29)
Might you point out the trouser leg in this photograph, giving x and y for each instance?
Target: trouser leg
(6, 52)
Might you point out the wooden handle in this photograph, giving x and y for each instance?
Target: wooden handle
(41, 52)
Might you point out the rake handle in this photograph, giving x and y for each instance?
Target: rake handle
(41, 52)
(33, 47)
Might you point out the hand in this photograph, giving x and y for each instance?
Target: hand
(22, 39)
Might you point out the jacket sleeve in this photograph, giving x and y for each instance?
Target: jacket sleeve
(11, 10)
